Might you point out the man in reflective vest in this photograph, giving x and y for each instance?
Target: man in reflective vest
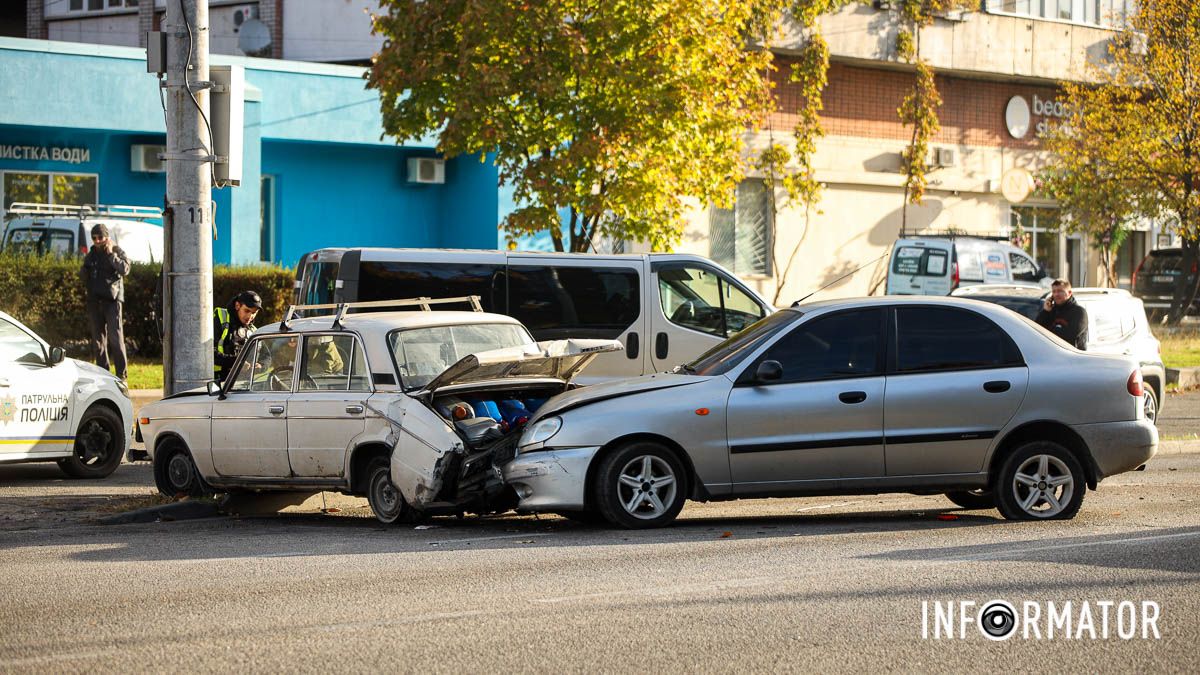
(232, 326)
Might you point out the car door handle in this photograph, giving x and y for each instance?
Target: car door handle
(661, 346)
(852, 396)
(275, 410)
(631, 345)
(996, 386)
(354, 409)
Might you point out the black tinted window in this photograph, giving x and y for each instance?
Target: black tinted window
(394, 280)
(843, 345)
(1163, 262)
(940, 338)
(561, 302)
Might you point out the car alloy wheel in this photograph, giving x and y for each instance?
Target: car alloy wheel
(647, 484)
(639, 485)
(1040, 481)
(1150, 404)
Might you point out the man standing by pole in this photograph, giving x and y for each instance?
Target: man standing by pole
(103, 272)
(188, 348)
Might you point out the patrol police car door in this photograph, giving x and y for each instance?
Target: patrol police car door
(35, 414)
(249, 428)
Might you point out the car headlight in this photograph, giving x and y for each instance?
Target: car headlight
(541, 431)
(123, 388)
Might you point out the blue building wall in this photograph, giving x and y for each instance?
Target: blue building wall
(338, 181)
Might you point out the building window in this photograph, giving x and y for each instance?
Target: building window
(1036, 231)
(100, 5)
(49, 188)
(740, 238)
(1094, 12)
(266, 221)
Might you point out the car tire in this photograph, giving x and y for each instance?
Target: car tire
(641, 485)
(384, 497)
(99, 444)
(973, 499)
(1040, 480)
(175, 472)
(1150, 403)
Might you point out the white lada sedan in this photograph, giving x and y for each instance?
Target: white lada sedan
(413, 409)
(55, 409)
(874, 395)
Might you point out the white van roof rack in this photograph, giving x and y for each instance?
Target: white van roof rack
(341, 308)
(85, 210)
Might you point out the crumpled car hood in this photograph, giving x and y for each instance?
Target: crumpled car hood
(556, 359)
(613, 389)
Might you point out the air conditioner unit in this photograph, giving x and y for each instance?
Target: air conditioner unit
(242, 14)
(426, 170)
(144, 158)
(940, 157)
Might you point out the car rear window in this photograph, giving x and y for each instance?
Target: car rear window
(921, 262)
(1164, 262)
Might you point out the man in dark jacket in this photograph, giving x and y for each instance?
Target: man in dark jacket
(232, 326)
(103, 270)
(1062, 315)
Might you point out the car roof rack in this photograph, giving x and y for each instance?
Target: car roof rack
(951, 234)
(342, 308)
(85, 210)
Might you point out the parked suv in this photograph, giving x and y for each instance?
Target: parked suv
(1156, 278)
(1117, 324)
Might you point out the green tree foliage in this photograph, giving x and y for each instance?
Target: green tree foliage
(1136, 128)
(920, 106)
(612, 113)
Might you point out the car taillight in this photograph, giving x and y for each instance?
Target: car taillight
(83, 249)
(954, 275)
(1134, 384)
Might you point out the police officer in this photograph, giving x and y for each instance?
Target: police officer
(232, 326)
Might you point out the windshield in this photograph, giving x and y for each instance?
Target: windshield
(40, 242)
(421, 354)
(725, 355)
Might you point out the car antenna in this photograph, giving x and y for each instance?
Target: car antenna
(854, 271)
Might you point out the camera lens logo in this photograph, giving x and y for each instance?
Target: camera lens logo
(998, 620)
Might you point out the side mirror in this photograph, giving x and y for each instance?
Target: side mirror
(768, 371)
(57, 355)
(214, 389)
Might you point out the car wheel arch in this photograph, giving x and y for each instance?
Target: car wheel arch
(1045, 430)
(694, 490)
(360, 460)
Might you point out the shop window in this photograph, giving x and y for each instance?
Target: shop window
(49, 188)
(1038, 231)
(740, 238)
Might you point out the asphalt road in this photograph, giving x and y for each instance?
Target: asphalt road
(832, 584)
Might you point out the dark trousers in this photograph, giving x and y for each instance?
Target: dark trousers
(108, 336)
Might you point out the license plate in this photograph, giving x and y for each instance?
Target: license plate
(1163, 279)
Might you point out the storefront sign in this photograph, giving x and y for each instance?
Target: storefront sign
(1016, 185)
(1019, 116)
(46, 154)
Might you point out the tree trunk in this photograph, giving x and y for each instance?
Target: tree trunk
(1189, 283)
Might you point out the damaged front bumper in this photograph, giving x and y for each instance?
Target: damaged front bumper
(550, 479)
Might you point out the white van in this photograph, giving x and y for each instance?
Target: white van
(65, 229)
(665, 308)
(938, 265)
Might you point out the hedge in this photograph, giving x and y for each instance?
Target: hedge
(47, 294)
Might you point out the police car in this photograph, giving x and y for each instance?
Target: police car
(57, 409)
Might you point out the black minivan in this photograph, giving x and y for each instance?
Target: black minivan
(1157, 277)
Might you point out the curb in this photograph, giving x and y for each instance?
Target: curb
(1184, 378)
(188, 509)
(1178, 448)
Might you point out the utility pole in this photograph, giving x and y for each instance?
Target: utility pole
(188, 218)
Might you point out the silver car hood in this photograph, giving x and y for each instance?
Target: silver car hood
(614, 389)
(554, 359)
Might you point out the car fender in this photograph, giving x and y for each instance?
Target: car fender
(88, 394)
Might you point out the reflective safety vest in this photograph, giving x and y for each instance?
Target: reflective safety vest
(223, 319)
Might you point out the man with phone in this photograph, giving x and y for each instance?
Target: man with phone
(103, 271)
(1062, 315)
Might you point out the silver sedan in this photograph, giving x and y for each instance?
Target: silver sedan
(921, 395)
